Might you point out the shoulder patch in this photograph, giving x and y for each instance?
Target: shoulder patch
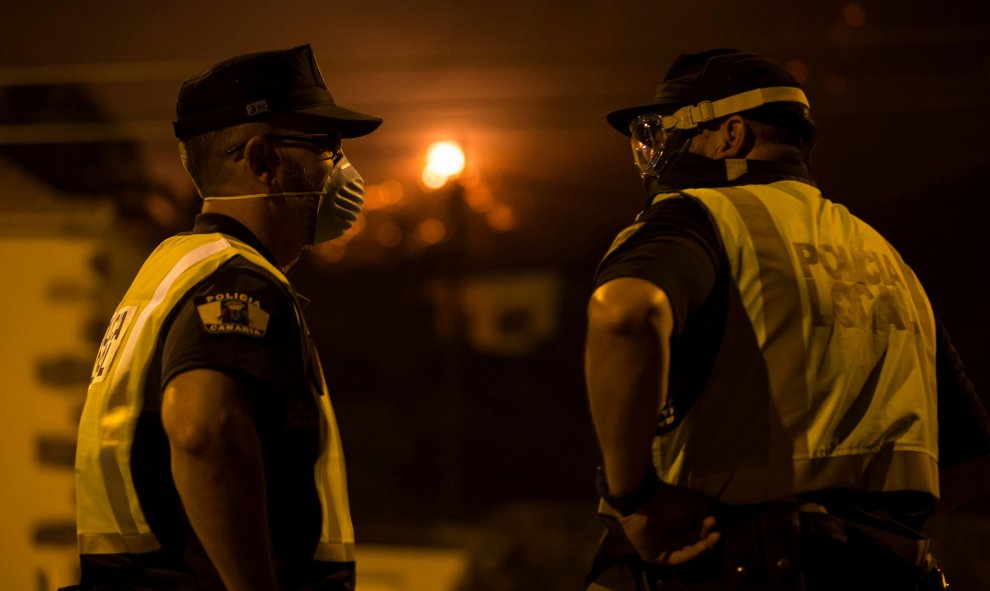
(231, 312)
(622, 237)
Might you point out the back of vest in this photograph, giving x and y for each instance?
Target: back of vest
(825, 376)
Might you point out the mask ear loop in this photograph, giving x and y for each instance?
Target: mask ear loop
(322, 192)
(260, 195)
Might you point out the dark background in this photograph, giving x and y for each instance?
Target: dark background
(436, 431)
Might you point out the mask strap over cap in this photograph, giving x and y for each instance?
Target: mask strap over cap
(691, 116)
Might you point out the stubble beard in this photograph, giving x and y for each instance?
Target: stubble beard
(297, 222)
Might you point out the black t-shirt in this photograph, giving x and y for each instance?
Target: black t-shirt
(675, 245)
(240, 320)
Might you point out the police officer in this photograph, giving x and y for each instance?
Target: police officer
(776, 404)
(208, 454)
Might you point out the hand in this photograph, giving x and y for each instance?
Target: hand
(674, 527)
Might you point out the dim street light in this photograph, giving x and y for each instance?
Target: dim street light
(443, 160)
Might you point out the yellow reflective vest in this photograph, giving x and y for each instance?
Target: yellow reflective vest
(825, 376)
(109, 515)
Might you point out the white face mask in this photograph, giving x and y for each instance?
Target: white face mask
(345, 189)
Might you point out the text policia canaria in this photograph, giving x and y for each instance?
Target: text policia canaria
(867, 288)
(232, 312)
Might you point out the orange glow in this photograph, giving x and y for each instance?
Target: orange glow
(854, 15)
(433, 179)
(330, 252)
(480, 198)
(431, 231)
(373, 197)
(502, 218)
(798, 69)
(355, 230)
(471, 177)
(389, 235)
(392, 192)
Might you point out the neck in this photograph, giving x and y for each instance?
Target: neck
(257, 215)
(774, 152)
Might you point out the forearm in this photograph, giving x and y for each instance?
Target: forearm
(221, 485)
(626, 370)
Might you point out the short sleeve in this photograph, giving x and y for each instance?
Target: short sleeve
(238, 321)
(675, 246)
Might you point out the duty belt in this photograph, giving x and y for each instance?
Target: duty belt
(764, 547)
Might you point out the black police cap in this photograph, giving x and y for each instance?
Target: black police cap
(706, 76)
(254, 86)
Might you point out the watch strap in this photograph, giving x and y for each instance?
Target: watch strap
(631, 501)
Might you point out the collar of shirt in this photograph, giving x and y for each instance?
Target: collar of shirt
(210, 223)
(698, 172)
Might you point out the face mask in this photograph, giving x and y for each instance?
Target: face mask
(345, 189)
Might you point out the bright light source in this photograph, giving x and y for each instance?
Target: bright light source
(433, 179)
(445, 158)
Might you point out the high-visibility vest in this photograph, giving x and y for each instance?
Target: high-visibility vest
(825, 378)
(109, 515)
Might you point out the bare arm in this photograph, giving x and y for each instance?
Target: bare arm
(629, 326)
(626, 367)
(219, 473)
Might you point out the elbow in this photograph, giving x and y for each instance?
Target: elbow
(192, 437)
(203, 411)
(616, 317)
(194, 431)
(627, 308)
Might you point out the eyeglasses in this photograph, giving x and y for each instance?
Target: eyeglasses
(327, 143)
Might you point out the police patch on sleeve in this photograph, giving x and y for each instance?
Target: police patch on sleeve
(232, 312)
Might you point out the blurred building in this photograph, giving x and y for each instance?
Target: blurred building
(48, 245)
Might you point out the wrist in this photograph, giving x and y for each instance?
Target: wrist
(630, 501)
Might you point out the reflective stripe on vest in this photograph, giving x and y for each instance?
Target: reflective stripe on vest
(109, 516)
(825, 378)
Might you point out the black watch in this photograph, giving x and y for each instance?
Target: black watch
(629, 502)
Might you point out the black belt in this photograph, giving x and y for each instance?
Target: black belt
(774, 546)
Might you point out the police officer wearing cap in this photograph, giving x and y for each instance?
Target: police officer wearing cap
(777, 404)
(208, 455)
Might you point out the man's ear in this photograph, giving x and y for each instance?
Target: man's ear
(261, 159)
(735, 138)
